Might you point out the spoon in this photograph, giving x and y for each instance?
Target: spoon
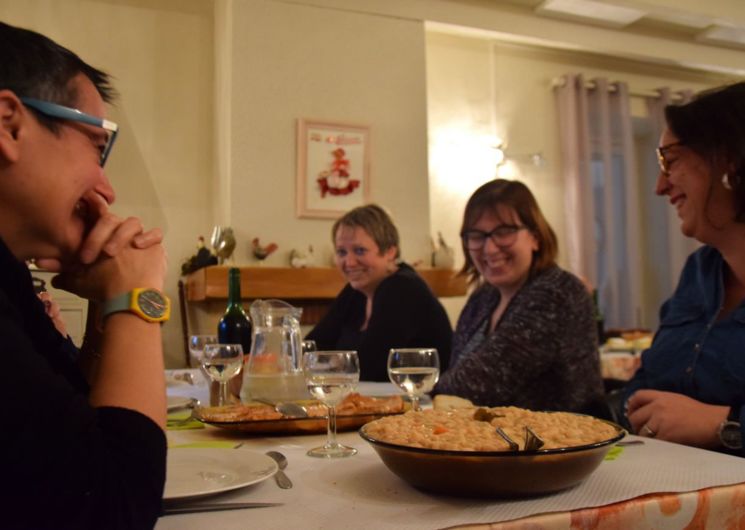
(286, 408)
(283, 481)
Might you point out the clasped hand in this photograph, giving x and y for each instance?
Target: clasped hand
(115, 256)
(676, 418)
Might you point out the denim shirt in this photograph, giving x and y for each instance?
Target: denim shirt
(693, 353)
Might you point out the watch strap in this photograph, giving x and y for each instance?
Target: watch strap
(131, 301)
(116, 304)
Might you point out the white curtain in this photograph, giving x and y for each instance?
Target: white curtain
(675, 246)
(602, 193)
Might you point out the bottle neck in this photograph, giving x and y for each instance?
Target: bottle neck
(234, 288)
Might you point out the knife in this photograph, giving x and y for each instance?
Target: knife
(216, 507)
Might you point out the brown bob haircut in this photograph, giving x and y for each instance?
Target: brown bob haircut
(375, 221)
(516, 195)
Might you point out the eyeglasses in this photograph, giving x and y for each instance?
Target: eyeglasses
(503, 236)
(53, 110)
(661, 160)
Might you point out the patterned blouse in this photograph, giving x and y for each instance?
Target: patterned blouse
(542, 355)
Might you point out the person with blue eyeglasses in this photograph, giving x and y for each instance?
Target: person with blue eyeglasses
(526, 336)
(385, 303)
(84, 444)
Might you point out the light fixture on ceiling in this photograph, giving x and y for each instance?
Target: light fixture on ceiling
(592, 11)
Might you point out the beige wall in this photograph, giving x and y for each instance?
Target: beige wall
(290, 62)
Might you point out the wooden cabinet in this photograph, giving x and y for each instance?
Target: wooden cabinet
(298, 284)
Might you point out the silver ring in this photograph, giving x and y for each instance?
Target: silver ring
(646, 431)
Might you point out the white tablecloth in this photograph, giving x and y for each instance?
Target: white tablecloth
(361, 493)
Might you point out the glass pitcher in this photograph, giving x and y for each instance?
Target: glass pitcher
(274, 369)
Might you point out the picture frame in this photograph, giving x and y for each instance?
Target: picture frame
(332, 168)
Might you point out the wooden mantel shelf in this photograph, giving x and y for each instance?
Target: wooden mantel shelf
(211, 283)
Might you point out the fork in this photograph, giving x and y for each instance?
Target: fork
(181, 421)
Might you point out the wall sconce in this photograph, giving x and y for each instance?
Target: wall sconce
(508, 165)
(536, 159)
(499, 153)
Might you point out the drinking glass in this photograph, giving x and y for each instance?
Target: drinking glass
(308, 345)
(222, 362)
(196, 347)
(330, 376)
(414, 370)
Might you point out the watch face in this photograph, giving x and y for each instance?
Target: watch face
(151, 303)
(731, 436)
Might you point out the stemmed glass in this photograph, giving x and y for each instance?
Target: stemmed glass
(308, 345)
(222, 362)
(196, 346)
(330, 376)
(414, 370)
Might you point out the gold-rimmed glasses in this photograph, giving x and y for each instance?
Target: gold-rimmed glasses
(661, 160)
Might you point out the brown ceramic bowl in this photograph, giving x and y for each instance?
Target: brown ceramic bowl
(494, 474)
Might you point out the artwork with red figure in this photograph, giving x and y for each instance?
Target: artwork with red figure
(336, 179)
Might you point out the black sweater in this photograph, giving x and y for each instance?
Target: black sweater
(66, 464)
(405, 314)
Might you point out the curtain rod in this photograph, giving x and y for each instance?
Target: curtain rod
(561, 81)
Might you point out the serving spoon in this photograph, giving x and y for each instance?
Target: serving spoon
(286, 408)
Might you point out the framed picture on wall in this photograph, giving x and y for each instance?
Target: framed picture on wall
(332, 168)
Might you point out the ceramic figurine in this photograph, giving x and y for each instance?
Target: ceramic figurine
(443, 256)
(262, 252)
(301, 258)
(202, 258)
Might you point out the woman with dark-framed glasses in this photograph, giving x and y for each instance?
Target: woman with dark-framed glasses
(690, 388)
(526, 336)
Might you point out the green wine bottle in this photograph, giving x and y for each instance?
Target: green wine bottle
(235, 326)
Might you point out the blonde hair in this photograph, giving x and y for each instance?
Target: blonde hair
(375, 221)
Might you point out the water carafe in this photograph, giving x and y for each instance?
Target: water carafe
(274, 370)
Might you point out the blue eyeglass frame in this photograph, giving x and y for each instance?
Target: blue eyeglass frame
(53, 110)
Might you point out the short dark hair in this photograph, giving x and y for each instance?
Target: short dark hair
(713, 126)
(516, 195)
(376, 222)
(35, 66)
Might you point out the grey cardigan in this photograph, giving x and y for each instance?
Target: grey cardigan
(542, 355)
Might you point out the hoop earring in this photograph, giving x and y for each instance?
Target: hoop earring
(725, 182)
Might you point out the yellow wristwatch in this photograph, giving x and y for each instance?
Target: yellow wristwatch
(148, 304)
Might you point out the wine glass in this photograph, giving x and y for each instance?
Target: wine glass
(196, 347)
(330, 376)
(414, 370)
(222, 362)
(308, 345)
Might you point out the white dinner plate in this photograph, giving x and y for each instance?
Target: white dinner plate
(195, 472)
(178, 402)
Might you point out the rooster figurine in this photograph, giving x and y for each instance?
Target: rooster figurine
(262, 252)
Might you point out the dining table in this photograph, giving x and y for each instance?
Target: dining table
(647, 484)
